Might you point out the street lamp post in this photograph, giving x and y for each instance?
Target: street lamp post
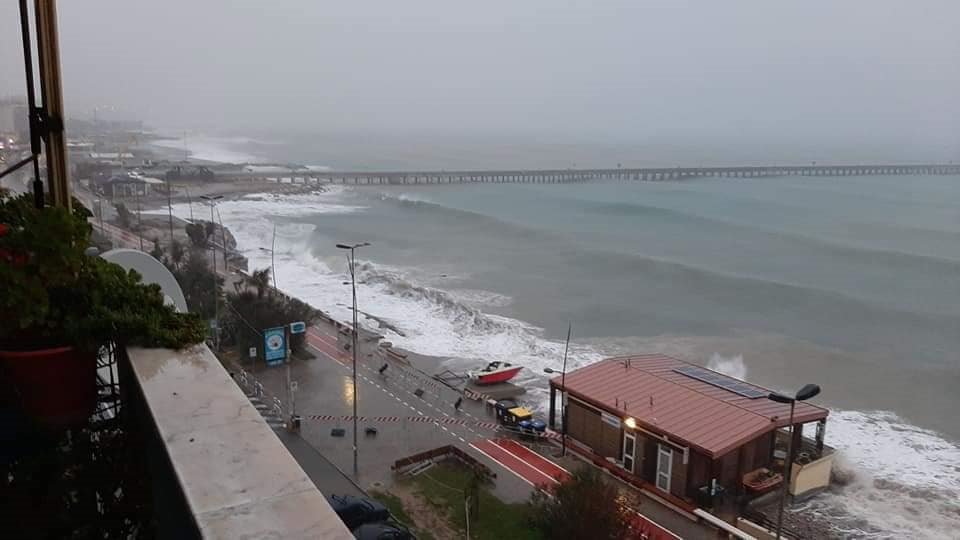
(351, 259)
(212, 201)
(563, 391)
(808, 391)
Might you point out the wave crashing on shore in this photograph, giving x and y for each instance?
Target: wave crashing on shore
(906, 480)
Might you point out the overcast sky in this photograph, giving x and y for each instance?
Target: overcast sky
(622, 70)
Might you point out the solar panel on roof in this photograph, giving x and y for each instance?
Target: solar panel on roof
(721, 381)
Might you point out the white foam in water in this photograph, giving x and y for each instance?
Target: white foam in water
(732, 366)
(215, 149)
(906, 479)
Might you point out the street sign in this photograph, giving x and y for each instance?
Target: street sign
(294, 386)
(275, 346)
(298, 327)
(253, 352)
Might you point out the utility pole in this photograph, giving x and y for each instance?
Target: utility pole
(136, 191)
(351, 260)
(212, 201)
(170, 209)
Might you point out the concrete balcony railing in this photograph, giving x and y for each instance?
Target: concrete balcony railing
(217, 469)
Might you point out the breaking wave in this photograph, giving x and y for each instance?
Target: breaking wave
(903, 481)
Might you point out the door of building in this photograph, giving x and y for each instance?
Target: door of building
(664, 467)
(629, 449)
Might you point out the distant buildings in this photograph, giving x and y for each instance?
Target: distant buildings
(14, 119)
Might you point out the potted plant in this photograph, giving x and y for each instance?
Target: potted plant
(60, 306)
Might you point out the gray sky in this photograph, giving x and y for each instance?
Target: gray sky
(619, 70)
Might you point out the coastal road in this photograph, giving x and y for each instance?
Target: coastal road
(526, 464)
(326, 390)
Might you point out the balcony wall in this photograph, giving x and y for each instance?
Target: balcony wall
(217, 469)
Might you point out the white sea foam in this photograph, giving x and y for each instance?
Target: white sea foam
(216, 149)
(732, 366)
(906, 479)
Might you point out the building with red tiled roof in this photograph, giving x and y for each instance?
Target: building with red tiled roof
(681, 427)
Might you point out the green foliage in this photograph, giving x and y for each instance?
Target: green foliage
(157, 251)
(585, 507)
(198, 235)
(399, 513)
(198, 283)
(260, 279)
(55, 294)
(444, 487)
(249, 314)
(177, 253)
(124, 216)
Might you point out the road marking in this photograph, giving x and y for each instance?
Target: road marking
(420, 413)
(461, 439)
(500, 463)
(527, 463)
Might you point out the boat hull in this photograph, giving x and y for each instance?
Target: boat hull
(499, 376)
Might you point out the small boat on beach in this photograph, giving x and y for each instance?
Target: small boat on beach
(495, 372)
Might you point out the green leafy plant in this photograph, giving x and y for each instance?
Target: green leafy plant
(55, 294)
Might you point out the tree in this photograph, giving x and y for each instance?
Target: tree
(584, 507)
(248, 314)
(198, 235)
(124, 216)
(210, 228)
(177, 253)
(157, 251)
(260, 279)
(199, 284)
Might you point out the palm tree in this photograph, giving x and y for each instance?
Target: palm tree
(261, 280)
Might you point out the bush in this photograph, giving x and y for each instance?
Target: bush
(584, 507)
(198, 283)
(55, 294)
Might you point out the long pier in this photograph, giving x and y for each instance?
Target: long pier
(560, 176)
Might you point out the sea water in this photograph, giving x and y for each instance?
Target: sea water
(849, 282)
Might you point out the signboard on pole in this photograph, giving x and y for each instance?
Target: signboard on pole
(298, 327)
(275, 346)
(253, 352)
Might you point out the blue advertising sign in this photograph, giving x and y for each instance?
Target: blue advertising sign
(275, 346)
(298, 327)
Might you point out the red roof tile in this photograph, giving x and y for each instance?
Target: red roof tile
(712, 419)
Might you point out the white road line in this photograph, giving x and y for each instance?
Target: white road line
(420, 413)
(445, 429)
(461, 439)
(527, 463)
(498, 462)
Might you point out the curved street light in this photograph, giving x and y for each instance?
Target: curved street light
(808, 391)
(351, 259)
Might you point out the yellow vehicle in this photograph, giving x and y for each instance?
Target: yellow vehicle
(511, 414)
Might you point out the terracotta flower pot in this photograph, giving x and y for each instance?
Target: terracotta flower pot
(56, 387)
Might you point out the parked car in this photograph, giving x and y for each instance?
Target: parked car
(382, 531)
(356, 511)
